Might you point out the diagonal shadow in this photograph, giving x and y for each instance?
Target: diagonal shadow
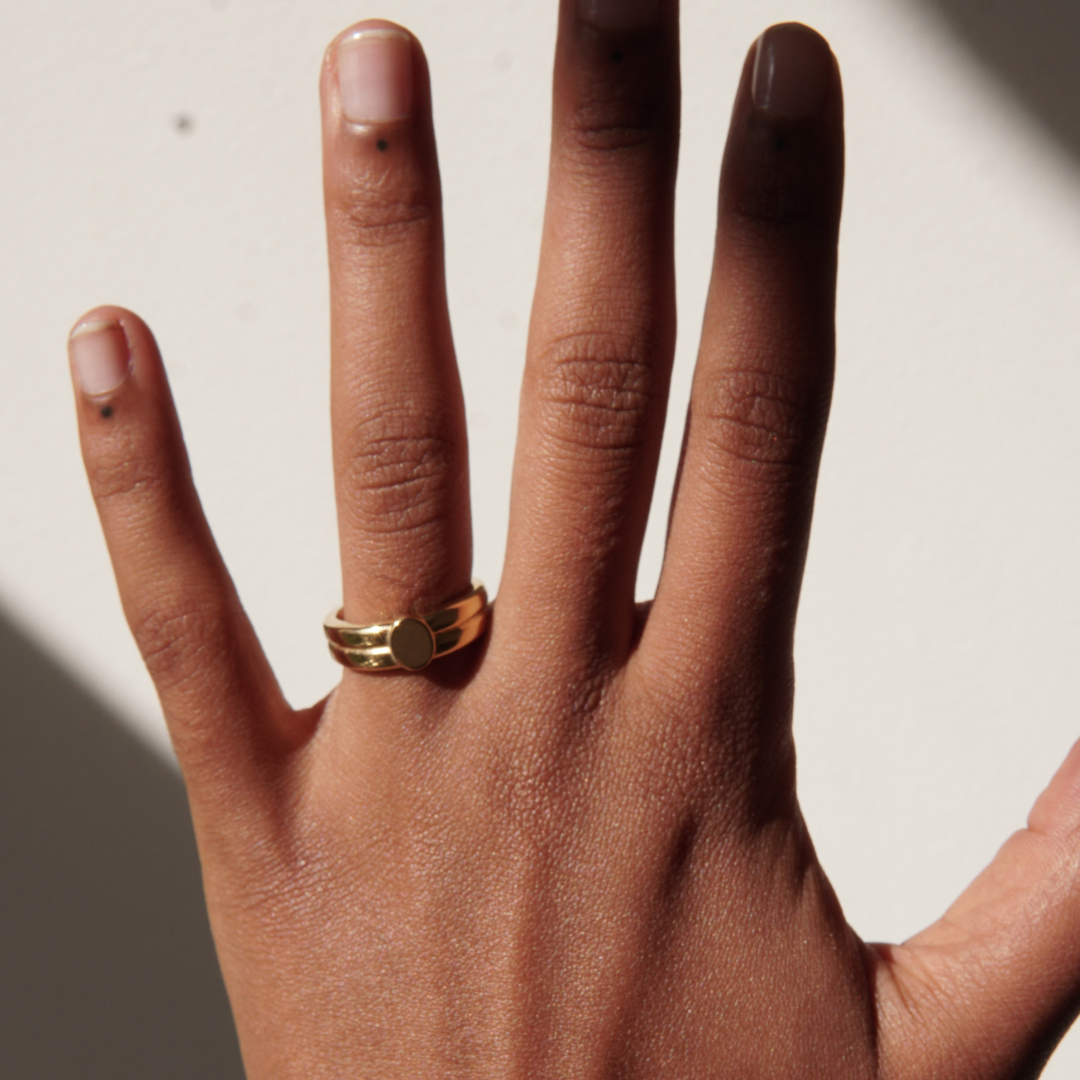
(107, 968)
(1033, 46)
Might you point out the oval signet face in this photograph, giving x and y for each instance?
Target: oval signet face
(412, 644)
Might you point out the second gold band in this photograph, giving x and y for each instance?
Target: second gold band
(382, 657)
(409, 641)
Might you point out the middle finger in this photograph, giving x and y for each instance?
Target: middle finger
(603, 328)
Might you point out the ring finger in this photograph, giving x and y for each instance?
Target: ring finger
(726, 603)
(400, 453)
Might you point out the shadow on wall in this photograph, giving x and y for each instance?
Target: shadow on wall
(1033, 46)
(107, 968)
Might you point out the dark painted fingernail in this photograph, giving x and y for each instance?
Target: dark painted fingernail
(792, 70)
(619, 15)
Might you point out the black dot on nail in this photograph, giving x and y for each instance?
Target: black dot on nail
(382, 144)
(106, 411)
(616, 56)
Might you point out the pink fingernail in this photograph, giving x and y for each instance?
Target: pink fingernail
(100, 353)
(375, 76)
(792, 69)
(619, 14)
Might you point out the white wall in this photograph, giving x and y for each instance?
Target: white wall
(939, 627)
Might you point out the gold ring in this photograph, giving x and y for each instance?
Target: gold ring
(409, 642)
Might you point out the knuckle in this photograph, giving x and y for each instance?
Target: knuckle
(398, 472)
(609, 121)
(125, 475)
(600, 388)
(174, 641)
(385, 224)
(774, 206)
(527, 770)
(763, 422)
(381, 211)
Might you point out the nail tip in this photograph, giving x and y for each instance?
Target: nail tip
(386, 33)
(94, 326)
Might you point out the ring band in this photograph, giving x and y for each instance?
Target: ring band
(409, 642)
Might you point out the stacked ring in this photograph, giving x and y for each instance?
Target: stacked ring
(409, 642)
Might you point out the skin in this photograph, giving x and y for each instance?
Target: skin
(573, 849)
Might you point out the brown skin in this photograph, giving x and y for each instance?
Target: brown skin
(573, 850)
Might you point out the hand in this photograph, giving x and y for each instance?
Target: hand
(573, 849)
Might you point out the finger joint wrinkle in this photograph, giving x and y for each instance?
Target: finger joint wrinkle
(374, 223)
(172, 638)
(611, 125)
(127, 476)
(763, 420)
(602, 392)
(399, 479)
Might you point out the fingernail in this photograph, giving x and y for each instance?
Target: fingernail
(792, 70)
(375, 76)
(101, 356)
(618, 14)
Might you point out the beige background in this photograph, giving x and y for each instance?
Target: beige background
(163, 154)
